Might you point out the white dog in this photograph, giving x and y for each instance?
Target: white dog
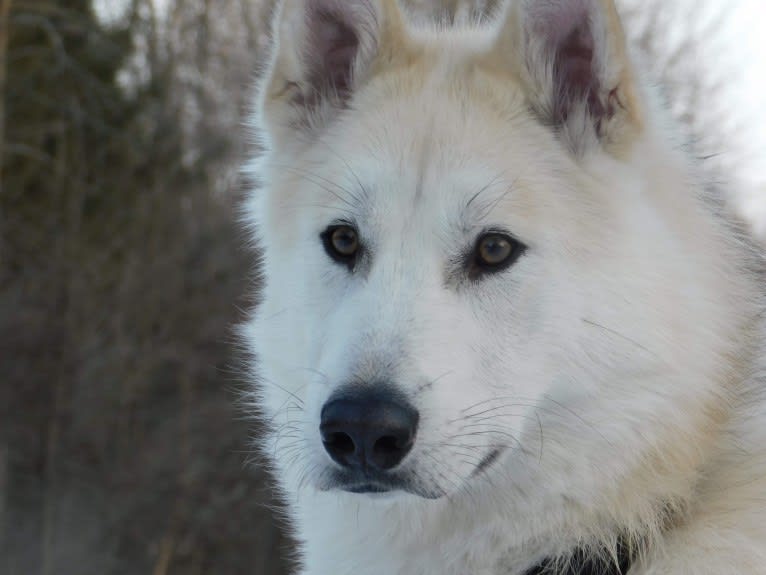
(504, 328)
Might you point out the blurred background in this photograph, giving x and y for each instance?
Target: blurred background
(123, 270)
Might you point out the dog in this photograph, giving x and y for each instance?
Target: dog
(506, 326)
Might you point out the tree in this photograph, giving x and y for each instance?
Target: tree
(120, 271)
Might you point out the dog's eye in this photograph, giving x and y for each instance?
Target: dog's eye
(341, 243)
(494, 252)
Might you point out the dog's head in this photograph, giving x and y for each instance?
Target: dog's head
(481, 258)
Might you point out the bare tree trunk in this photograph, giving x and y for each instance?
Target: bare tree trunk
(5, 12)
(246, 10)
(153, 39)
(3, 491)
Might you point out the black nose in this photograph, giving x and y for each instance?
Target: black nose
(368, 432)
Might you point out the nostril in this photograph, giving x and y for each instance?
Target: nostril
(390, 449)
(393, 443)
(387, 444)
(340, 442)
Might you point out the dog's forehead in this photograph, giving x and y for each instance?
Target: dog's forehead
(440, 146)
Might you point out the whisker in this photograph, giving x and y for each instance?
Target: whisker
(261, 379)
(433, 382)
(620, 335)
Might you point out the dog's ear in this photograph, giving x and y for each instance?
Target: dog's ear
(572, 57)
(323, 51)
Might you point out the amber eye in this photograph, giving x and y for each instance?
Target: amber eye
(494, 249)
(341, 243)
(494, 252)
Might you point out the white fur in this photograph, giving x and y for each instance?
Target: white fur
(614, 363)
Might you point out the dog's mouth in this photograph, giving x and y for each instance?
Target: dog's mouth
(377, 485)
(370, 488)
(487, 462)
(385, 485)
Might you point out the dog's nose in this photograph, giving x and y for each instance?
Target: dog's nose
(368, 432)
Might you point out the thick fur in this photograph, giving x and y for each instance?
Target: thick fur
(615, 366)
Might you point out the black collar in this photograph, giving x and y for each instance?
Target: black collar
(585, 563)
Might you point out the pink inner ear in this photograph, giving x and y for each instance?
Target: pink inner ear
(333, 45)
(575, 76)
(566, 30)
(556, 19)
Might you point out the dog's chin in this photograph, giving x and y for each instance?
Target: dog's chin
(378, 486)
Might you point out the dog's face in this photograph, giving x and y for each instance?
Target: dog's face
(466, 276)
